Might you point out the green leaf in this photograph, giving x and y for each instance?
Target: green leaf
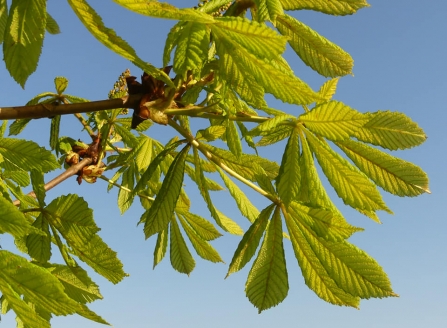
(39, 245)
(162, 209)
(229, 225)
(242, 201)
(352, 186)
(288, 181)
(181, 258)
(331, 7)
(172, 41)
(93, 22)
(391, 130)
(324, 223)
(352, 269)
(201, 226)
(12, 220)
(327, 90)
(3, 18)
(266, 128)
(250, 241)
(54, 132)
(71, 216)
(52, 26)
(20, 177)
(38, 186)
(22, 44)
(394, 175)
(202, 247)
(142, 152)
(27, 155)
(267, 283)
(316, 277)
(160, 246)
(125, 197)
(192, 48)
(233, 139)
(164, 10)
(280, 132)
(61, 84)
(334, 120)
(256, 38)
(211, 133)
(316, 51)
(268, 10)
(77, 284)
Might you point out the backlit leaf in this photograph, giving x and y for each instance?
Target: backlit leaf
(181, 258)
(39, 245)
(268, 10)
(160, 246)
(3, 18)
(202, 227)
(327, 90)
(331, 7)
(61, 84)
(52, 26)
(233, 139)
(12, 220)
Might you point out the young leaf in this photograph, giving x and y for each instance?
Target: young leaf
(192, 48)
(93, 22)
(391, 130)
(267, 283)
(3, 18)
(162, 209)
(394, 175)
(319, 53)
(331, 7)
(61, 84)
(27, 155)
(181, 258)
(172, 41)
(327, 90)
(160, 246)
(54, 132)
(233, 139)
(52, 26)
(39, 245)
(38, 186)
(289, 178)
(202, 227)
(202, 247)
(23, 43)
(250, 242)
(71, 216)
(20, 177)
(334, 120)
(315, 275)
(125, 197)
(280, 132)
(266, 128)
(242, 201)
(352, 186)
(268, 10)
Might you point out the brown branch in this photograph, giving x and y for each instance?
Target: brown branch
(72, 170)
(48, 110)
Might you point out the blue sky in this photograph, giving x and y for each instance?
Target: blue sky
(399, 48)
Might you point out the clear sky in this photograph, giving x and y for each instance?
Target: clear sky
(400, 51)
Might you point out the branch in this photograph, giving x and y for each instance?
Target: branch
(48, 110)
(72, 170)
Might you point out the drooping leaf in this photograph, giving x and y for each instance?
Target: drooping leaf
(288, 181)
(125, 196)
(54, 132)
(12, 220)
(391, 130)
(3, 18)
(268, 10)
(93, 22)
(202, 247)
(18, 125)
(394, 175)
(73, 219)
(353, 187)
(242, 201)
(267, 283)
(181, 258)
(316, 51)
(38, 186)
(22, 44)
(27, 155)
(233, 139)
(334, 120)
(201, 226)
(192, 47)
(250, 242)
(331, 7)
(172, 41)
(52, 26)
(315, 275)
(160, 246)
(162, 209)
(39, 245)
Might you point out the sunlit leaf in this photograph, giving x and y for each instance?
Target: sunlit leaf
(161, 246)
(39, 245)
(3, 18)
(202, 227)
(268, 10)
(332, 7)
(233, 139)
(181, 258)
(52, 26)
(327, 90)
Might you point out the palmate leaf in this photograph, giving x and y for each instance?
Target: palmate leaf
(315, 275)
(73, 219)
(26, 155)
(267, 283)
(250, 241)
(181, 258)
(391, 130)
(331, 7)
(334, 120)
(268, 10)
(289, 178)
(316, 51)
(22, 44)
(162, 209)
(242, 201)
(165, 10)
(352, 269)
(192, 47)
(394, 175)
(93, 22)
(202, 247)
(354, 188)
